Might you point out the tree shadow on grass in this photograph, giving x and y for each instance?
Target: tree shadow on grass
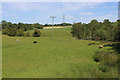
(115, 46)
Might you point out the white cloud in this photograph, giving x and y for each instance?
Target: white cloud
(80, 5)
(88, 13)
(25, 6)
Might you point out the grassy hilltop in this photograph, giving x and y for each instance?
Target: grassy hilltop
(62, 57)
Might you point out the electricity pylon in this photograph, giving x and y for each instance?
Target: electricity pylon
(52, 25)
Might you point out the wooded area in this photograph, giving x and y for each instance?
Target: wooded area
(95, 30)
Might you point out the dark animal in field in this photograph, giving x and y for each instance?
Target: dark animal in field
(34, 42)
(92, 44)
(101, 46)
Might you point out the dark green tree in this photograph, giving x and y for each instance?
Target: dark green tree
(117, 35)
(20, 32)
(78, 31)
(12, 32)
(36, 33)
(109, 28)
(37, 25)
(100, 34)
(94, 25)
(4, 24)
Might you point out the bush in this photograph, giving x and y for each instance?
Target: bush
(104, 68)
(38, 26)
(92, 44)
(101, 34)
(28, 34)
(98, 56)
(20, 32)
(12, 32)
(78, 30)
(110, 59)
(36, 33)
(106, 58)
(5, 31)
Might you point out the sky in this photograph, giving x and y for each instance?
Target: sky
(40, 12)
(59, 0)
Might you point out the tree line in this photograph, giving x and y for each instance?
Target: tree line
(95, 30)
(20, 29)
(62, 24)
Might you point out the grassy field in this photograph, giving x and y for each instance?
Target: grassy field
(62, 57)
(61, 32)
(0, 55)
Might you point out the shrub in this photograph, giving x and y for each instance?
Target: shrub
(38, 26)
(12, 32)
(28, 34)
(106, 58)
(20, 32)
(78, 30)
(98, 56)
(5, 31)
(92, 44)
(109, 59)
(95, 73)
(36, 33)
(101, 34)
(104, 68)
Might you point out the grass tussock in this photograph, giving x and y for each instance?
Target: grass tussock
(108, 64)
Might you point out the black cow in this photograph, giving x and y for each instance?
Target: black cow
(34, 42)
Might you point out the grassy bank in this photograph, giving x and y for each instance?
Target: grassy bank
(62, 57)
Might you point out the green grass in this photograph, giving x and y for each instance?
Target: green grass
(62, 57)
(57, 32)
(0, 55)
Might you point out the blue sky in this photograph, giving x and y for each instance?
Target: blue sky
(40, 12)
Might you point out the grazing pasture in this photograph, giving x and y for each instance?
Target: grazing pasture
(57, 27)
(58, 32)
(62, 57)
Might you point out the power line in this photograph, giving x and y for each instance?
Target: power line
(52, 24)
(74, 22)
(63, 20)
